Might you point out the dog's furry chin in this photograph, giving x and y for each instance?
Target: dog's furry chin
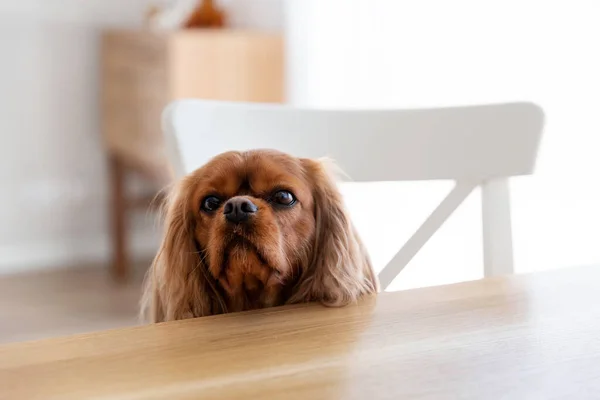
(303, 251)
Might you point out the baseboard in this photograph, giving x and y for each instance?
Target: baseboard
(64, 252)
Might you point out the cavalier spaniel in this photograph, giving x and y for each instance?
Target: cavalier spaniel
(251, 230)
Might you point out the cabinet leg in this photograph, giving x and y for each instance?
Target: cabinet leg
(118, 212)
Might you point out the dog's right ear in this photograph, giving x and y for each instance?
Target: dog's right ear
(178, 285)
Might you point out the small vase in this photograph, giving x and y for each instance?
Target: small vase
(206, 15)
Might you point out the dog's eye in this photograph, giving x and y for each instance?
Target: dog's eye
(284, 198)
(211, 203)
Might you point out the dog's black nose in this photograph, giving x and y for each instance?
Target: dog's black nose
(239, 209)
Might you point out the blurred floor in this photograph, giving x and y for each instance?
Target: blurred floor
(63, 302)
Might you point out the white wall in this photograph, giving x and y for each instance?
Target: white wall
(353, 53)
(53, 174)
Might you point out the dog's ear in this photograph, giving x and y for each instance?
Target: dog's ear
(340, 270)
(178, 285)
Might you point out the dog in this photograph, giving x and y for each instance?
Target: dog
(251, 230)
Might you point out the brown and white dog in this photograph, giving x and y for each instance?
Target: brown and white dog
(251, 230)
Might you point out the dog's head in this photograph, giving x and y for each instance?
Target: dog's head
(251, 230)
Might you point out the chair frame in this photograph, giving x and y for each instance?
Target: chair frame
(474, 146)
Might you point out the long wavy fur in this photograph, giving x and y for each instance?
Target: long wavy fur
(338, 271)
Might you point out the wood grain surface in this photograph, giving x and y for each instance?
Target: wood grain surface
(520, 337)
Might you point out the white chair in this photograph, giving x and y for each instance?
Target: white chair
(475, 145)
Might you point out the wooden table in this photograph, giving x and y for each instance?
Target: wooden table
(523, 337)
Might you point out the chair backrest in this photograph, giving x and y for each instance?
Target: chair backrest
(474, 145)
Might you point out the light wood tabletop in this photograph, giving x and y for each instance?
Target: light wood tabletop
(521, 337)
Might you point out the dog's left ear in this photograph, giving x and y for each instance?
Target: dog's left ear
(340, 270)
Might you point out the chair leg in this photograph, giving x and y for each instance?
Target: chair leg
(435, 220)
(118, 211)
(497, 230)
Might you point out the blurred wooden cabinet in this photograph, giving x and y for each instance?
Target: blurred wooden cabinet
(143, 71)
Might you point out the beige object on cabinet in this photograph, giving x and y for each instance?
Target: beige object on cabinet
(143, 71)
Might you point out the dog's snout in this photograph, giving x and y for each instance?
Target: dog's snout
(239, 209)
